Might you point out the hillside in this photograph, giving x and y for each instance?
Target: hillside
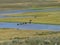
(19, 1)
(24, 4)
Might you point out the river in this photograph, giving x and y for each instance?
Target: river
(27, 26)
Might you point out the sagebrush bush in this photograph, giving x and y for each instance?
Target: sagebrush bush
(33, 41)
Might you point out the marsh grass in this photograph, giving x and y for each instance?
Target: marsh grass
(36, 17)
(29, 37)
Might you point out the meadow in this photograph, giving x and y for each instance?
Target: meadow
(9, 36)
(27, 4)
(28, 37)
(36, 17)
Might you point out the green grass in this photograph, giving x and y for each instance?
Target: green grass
(37, 17)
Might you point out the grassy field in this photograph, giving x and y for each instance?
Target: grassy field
(26, 37)
(27, 5)
(37, 17)
(14, 6)
(7, 33)
(16, 1)
(10, 36)
(24, 4)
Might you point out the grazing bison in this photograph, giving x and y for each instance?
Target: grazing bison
(30, 21)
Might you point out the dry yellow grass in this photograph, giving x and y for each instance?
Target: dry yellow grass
(11, 33)
(6, 34)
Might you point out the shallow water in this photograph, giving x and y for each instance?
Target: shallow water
(27, 26)
(16, 11)
(27, 10)
(30, 26)
(16, 16)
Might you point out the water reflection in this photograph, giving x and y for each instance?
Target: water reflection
(29, 26)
